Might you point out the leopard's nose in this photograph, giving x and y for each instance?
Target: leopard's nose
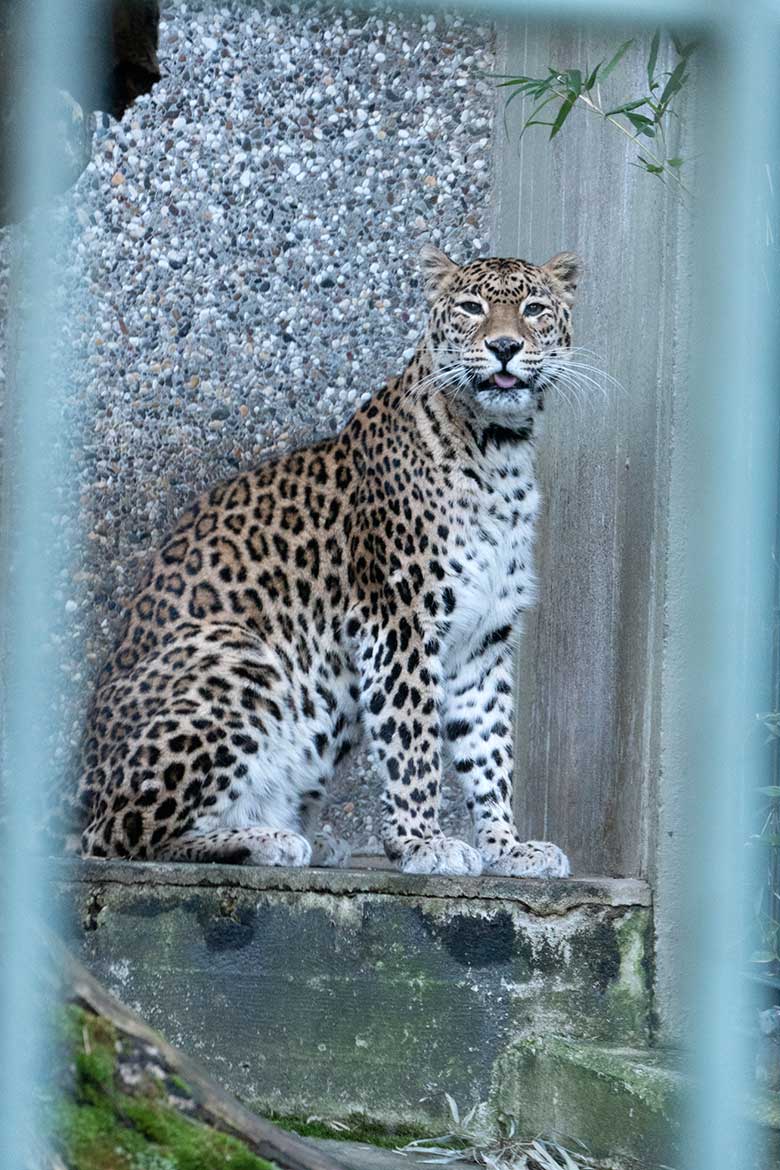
(504, 348)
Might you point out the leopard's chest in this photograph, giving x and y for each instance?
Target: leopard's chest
(489, 568)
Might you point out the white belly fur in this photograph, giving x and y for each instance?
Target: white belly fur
(496, 581)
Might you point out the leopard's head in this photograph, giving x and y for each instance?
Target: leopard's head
(498, 330)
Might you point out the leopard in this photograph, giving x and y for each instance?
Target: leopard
(365, 588)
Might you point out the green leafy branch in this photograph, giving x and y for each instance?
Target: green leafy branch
(644, 118)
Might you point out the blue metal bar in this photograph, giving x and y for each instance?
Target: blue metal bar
(732, 440)
(51, 37)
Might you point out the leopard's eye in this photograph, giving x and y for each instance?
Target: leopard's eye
(534, 309)
(473, 307)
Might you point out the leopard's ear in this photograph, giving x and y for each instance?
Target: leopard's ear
(565, 269)
(436, 268)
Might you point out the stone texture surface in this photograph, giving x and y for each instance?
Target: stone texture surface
(241, 271)
(371, 875)
(367, 993)
(627, 1105)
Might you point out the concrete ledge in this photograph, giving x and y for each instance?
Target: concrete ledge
(369, 876)
(620, 1103)
(361, 992)
(625, 1105)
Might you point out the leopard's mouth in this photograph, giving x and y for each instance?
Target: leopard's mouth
(503, 380)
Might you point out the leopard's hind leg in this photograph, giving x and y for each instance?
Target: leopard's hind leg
(253, 845)
(224, 760)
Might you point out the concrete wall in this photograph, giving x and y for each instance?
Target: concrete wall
(590, 671)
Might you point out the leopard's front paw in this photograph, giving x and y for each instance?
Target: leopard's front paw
(531, 859)
(440, 855)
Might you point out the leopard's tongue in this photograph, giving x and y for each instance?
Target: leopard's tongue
(505, 381)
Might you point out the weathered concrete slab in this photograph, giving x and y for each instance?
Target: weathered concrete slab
(620, 1103)
(361, 992)
(626, 1105)
(371, 876)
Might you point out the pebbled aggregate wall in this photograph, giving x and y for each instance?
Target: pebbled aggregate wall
(241, 272)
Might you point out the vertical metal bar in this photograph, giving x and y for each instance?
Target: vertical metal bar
(49, 36)
(732, 433)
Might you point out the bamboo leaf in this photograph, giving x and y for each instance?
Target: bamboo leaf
(626, 107)
(522, 83)
(531, 86)
(472, 1113)
(652, 59)
(531, 119)
(615, 61)
(642, 124)
(429, 1145)
(592, 79)
(770, 789)
(453, 1104)
(675, 82)
(573, 80)
(514, 94)
(772, 840)
(563, 112)
(678, 162)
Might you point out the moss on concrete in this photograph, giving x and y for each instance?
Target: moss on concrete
(646, 1075)
(98, 1125)
(623, 1104)
(366, 995)
(359, 1128)
(629, 996)
(619, 1102)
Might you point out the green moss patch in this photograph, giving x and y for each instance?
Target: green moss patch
(358, 1129)
(98, 1123)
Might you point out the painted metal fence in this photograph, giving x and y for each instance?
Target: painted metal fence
(731, 429)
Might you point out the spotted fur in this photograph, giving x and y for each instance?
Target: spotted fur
(368, 585)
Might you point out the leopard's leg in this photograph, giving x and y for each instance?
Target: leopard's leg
(188, 788)
(478, 734)
(253, 845)
(215, 750)
(327, 850)
(401, 698)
